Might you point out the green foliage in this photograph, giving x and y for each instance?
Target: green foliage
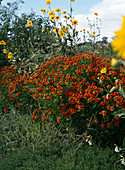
(56, 157)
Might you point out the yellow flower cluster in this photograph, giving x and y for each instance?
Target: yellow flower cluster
(119, 42)
(2, 42)
(10, 55)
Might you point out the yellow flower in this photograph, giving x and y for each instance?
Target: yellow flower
(68, 17)
(68, 36)
(4, 51)
(43, 30)
(47, 28)
(103, 70)
(83, 29)
(58, 10)
(95, 13)
(10, 55)
(56, 30)
(15, 48)
(66, 29)
(64, 12)
(2, 42)
(72, 0)
(113, 61)
(94, 32)
(87, 31)
(51, 30)
(50, 12)
(48, 2)
(44, 10)
(41, 9)
(76, 31)
(52, 17)
(57, 17)
(119, 42)
(29, 23)
(74, 22)
(61, 33)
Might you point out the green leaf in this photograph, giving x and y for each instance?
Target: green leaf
(121, 91)
(119, 113)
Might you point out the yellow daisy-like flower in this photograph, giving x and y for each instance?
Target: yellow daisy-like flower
(56, 30)
(43, 30)
(50, 12)
(44, 11)
(58, 10)
(2, 42)
(74, 22)
(4, 51)
(103, 70)
(29, 23)
(83, 29)
(119, 42)
(57, 17)
(10, 55)
(95, 13)
(41, 9)
(52, 17)
(61, 33)
(68, 17)
(64, 12)
(48, 2)
(93, 32)
(72, 0)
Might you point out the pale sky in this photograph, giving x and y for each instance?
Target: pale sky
(110, 12)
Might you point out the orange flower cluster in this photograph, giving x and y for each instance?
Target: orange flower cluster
(67, 85)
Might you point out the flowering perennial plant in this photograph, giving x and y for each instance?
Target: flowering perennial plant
(72, 87)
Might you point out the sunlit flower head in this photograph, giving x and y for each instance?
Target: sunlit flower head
(83, 29)
(41, 9)
(4, 51)
(72, 0)
(48, 2)
(119, 42)
(58, 10)
(43, 30)
(74, 22)
(52, 17)
(56, 30)
(103, 70)
(61, 33)
(2, 42)
(29, 23)
(44, 11)
(57, 17)
(64, 12)
(93, 32)
(68, 17)
(10, 55)
(50, 12)
(95, 13)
